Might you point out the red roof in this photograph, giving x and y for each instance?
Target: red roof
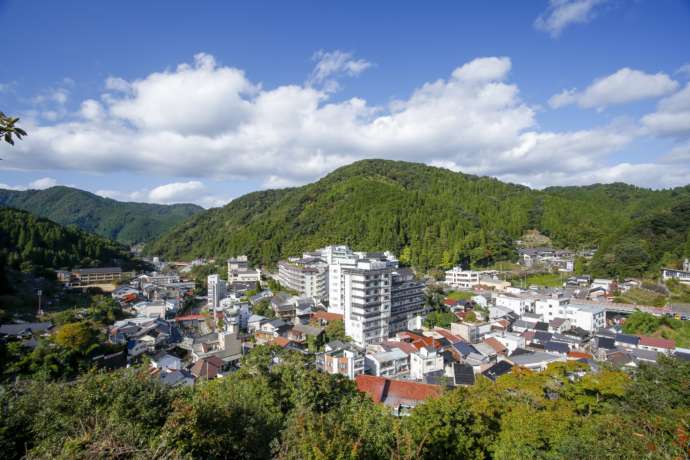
(409, 336)
(502, 322)
(446, 334)
(326, 316)
(578, 355)
(495, 344)
(657, 342)
(450, 302)
(381, 389)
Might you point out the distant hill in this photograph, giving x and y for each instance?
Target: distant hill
(126, 223)
(28, 242)
(433, 217)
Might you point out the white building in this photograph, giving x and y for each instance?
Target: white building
(388, 363)
(551, 307)
(308, 276)
(366, 291)
(216, 290)
(605, 284)
(519, 304)
(424, 361)
(462, 279)
(587, 317)
(682, 276)
(510, 340)
(339, 358)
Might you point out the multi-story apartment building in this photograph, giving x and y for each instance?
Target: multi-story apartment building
(216, 290)
(308, 276)
(407, 300)
(462, 279)
(683, 276)
(239, 271)
(366, 290)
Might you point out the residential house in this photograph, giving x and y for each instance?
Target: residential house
(391, 363)
(341, 358)
(657, 344)
(400, 396)
(425, 360)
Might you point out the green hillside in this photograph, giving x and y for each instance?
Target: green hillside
(431, 217)
(126, 223)
(28, 243)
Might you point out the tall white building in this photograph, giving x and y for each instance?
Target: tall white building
(216, 290)
(308, 276)
(462, 279)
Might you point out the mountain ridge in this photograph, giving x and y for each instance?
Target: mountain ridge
(125, 222)
(432, 217)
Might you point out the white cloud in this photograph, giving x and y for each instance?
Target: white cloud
(563, 13)
(625, 85)
(332, 64)
(43, 183)
(174, 192)
(12, 187)
(204, 120)
(672, 117)
(484, 69)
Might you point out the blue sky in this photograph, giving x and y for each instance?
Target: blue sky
(176, 101)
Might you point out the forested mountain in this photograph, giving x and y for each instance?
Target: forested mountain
(433, 217)
(124, 222)
(28, 242)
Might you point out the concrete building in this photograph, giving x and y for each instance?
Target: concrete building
(308, 276)
(551, 307)
(682, 276)
(587, 317)
(340, 358)
(365, 290)
(518, 304)
(87, 276)
(462, 279)
(424, 361)
(407, 300)
(216, 290)
(391, 363)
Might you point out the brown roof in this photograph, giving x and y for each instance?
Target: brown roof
(381, 389)
(326, 316)
(495, 344)
(280, 341)
(207, 368)
(657, 342)
(578, 355)
(189, 317)
(445, 333)
(404, 346)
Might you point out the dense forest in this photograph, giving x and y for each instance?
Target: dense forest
(30, 243)
(433, 217)
(126, 223)
(282, 408)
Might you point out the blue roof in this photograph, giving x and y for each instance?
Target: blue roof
(626, 338)
(465, 348)
(543, 336)
(558, 347)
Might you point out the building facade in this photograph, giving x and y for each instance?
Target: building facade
(462, 279)
(216, 290)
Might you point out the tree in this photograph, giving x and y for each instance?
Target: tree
(8, 129)
(75, 336)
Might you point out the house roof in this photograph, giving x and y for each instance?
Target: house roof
(207, 368)
(280, 341)
(23, 328)
(557, 347)
(445, 333)
(541, 326)
(395, 392)
(626, 338)
(542, 336)
(537, 357)
(606, 343)
(578, 355)
(464, 348)
(463, 374)
(404, 346)
(326, 316)
(657, 342)
(495, 344)
(497, 370)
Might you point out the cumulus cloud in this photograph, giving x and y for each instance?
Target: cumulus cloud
(206, 120)
(563, 13)
(672, 117)
(625, 85)
(174, 192)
